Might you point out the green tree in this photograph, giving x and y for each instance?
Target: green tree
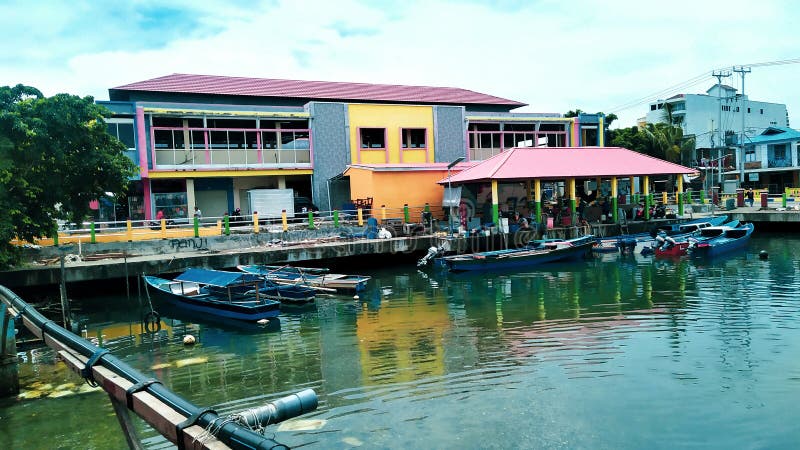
(55, 157)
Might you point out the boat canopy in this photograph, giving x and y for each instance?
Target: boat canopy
(218, 278)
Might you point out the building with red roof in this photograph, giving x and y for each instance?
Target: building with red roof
(203, 140)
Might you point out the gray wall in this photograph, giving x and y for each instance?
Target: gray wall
(331, 148)
(449, 133)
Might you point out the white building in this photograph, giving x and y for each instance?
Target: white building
(700, 116)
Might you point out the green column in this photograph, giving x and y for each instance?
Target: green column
(336, 218)
(226, 223)
(310, 220)
(196, 227)
(647, 207)
(406, 217)
(680, 204)
(703, 197)
(495, 204)
(539, 211)
(614, 209)
(94, 240)
(55, 234)
(783, 200)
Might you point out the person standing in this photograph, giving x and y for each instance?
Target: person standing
(198, 213)
(749, 196)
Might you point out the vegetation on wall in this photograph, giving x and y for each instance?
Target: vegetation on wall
(55, 157)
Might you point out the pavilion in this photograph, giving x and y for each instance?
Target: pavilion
(537, 164)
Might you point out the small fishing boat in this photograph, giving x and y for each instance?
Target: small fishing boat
(714, 241)
(315, 278)
(537, 253)
(672, 251)
(224, 294)
(644, 242)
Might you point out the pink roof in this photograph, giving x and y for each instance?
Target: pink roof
(567, 162)
(265, 87)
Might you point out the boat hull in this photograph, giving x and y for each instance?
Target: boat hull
(212, 305)
(296, 276)
(514, 259)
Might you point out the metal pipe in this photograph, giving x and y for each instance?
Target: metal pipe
(282, 409)
(231, 434)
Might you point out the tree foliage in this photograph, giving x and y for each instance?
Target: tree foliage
(55, 157)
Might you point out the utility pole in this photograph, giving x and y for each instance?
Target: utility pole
(720, 134)
(742, 70)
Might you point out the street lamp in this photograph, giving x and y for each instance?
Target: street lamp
(450, 191)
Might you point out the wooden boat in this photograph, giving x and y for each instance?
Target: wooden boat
(521, 257)
(307, 276)
(717, 240)
(224, 294)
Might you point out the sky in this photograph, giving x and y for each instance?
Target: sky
(556, 56)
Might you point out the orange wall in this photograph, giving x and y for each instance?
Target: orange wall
(394, 189)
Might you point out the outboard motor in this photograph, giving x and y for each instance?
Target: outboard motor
(626, 245)
(433, 252)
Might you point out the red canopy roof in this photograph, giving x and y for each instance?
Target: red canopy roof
(567, 162)
(265, 87)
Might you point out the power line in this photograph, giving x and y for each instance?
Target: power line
(676, 88)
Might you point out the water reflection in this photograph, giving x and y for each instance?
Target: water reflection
(557, 356)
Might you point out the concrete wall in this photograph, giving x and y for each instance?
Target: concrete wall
(449, 133)
(331, 150)
(392, 118)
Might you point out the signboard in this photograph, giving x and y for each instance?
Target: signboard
(752, 176)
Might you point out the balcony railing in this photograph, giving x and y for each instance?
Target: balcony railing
(220, 148)
(485, 144)
(779, 163)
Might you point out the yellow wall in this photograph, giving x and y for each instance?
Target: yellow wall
(392, 118)
(396, 188)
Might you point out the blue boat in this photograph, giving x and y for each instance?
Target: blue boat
(638, 242)
(224, 294)
(521, 257)
(714, 241)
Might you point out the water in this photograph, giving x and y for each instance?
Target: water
(616, 352)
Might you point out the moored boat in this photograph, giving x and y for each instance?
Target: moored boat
(718, 240)
(307, 276)
(224, 294)
(521, 257)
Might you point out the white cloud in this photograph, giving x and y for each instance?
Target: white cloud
(556, 56)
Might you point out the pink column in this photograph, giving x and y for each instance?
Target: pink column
(141, 141)
(148, 212)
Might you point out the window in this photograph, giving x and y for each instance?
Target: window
(122, 129)
(652, 107)
(372, 138)
(748, 110)
(414, 137)
(749, 154)
(762, 110)
(737, 109)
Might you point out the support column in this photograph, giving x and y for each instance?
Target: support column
(601, 135)
(281, 182)
(528, 198)
(576, 132)
(679, 195)
(495, 205)
(147, 195)
(190, 199)
(537, 192)
(573, 216)
(633, 198)
(646, 193)
(614, 205)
